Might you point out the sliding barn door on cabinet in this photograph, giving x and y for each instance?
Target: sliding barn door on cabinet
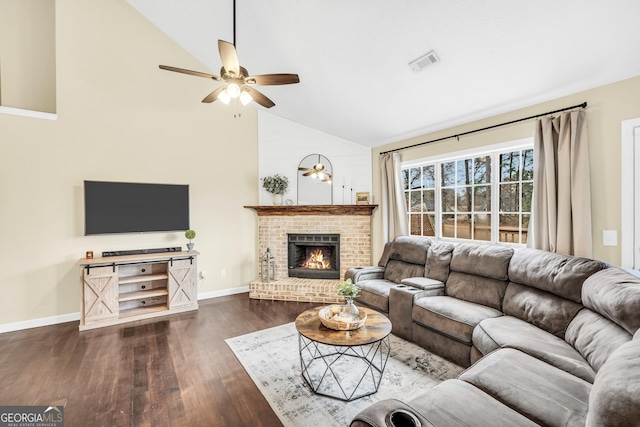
(183, 278)
(100, 294)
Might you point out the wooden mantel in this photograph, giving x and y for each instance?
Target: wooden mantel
(313, 210)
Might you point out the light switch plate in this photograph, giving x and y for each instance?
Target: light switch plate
(609, 238)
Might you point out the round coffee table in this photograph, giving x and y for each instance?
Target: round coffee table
(346, 365)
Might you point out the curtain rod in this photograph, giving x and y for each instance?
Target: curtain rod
(583, 105)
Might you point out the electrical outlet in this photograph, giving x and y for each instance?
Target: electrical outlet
(223, 272)
(203, 274)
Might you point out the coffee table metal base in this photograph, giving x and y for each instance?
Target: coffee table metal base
(343, 372)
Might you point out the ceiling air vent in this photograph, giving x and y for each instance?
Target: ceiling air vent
(424, 61)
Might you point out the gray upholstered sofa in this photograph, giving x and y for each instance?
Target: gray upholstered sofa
(547, 339)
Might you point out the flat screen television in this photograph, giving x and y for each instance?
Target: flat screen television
(125, 207)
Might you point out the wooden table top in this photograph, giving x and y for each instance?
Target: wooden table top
(375, 328)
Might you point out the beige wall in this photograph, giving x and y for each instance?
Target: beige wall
(607, 107)
(120, 118)
(27, 54)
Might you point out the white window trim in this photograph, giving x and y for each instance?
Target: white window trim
(517, 144)
(627, 209)
(485, 149)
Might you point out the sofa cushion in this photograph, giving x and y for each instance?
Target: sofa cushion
(438, 260)
(539, 391)
(595, 337)
(615, 396)
(458, 403)
(615, 294)
(410, 249)
(542, 309)
(384, 258)
(482, 260)
(508, 331)
(451, 316)
(395, 270)
(375, 294)
(561, 275)
(477, 289)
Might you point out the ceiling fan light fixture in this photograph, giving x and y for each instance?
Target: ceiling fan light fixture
(245, 97)
(224, 97)
(233, 90)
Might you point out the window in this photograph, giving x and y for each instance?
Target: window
(482, 196)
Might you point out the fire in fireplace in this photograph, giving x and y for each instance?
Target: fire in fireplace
(317, 259)
(314, 256)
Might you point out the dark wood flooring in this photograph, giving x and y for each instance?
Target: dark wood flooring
(172, 371)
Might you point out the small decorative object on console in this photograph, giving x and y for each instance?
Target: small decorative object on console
(190, 234)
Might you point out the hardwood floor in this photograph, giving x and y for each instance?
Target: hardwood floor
(173, 371)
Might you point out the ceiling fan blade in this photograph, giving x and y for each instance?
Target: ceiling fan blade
(229, 57)
(308, 173)
(273, 79)
(305, 169)
(213, 95)
(259, 97)
(192, 73)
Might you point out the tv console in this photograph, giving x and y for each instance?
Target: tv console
(127, 287)
(141, 251)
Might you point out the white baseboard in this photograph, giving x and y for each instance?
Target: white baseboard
(70, 317)
(36, 323)
(223, 293)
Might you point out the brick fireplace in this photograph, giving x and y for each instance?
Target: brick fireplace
(351, 223)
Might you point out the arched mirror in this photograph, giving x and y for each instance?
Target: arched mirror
(315, 180)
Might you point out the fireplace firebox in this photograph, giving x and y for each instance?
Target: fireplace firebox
(314, 256)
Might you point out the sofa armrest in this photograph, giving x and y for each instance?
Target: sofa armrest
(358, 274)
(389, 413)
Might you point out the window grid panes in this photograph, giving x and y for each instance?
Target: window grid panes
(516, 190)
(453, 198)
(419, 186)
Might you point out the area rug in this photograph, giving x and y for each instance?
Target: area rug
(272, 360)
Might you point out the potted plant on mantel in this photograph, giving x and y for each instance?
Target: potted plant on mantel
(276, 185)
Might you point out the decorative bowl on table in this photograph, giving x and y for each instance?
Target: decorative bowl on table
(331, 318)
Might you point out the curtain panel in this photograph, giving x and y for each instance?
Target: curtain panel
(394, 210)
(561, 186)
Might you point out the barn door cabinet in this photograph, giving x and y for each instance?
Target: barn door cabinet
(126, 288)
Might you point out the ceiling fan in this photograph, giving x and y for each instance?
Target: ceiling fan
(317, 171)
(238, 82)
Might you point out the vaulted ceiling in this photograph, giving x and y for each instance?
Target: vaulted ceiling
(352, 55)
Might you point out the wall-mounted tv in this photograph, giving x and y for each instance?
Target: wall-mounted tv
(125, 207)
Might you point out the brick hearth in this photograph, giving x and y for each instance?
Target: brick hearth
(352, 222)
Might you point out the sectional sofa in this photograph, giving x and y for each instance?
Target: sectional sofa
(547, 339)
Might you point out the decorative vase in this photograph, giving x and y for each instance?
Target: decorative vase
(190, 246)
(349, 309)
(277, 199)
